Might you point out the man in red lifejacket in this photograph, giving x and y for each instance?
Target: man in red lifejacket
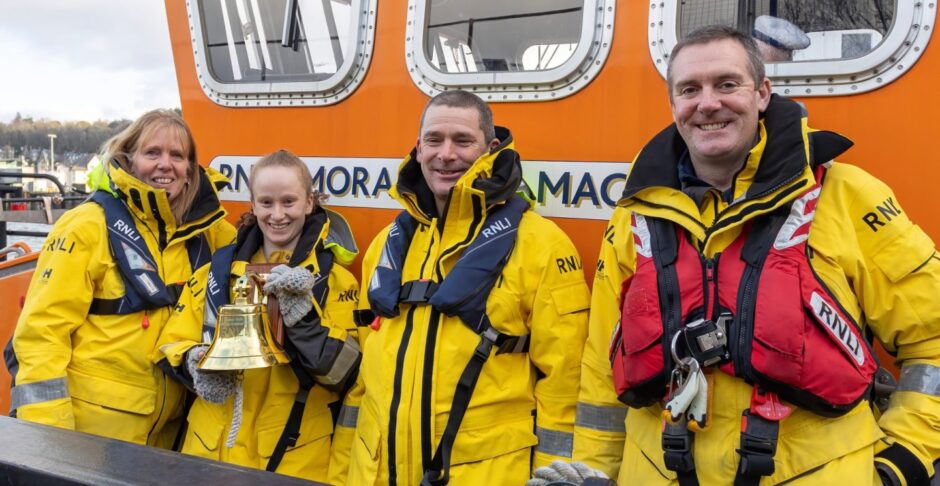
(741, 280)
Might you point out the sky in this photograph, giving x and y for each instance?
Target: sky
(72, 60)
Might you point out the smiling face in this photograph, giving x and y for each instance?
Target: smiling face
(160, 161)
(716, 102)
(280, 202)
(451, 140)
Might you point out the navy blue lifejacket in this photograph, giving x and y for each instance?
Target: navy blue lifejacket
(463, 293)
(144, 289)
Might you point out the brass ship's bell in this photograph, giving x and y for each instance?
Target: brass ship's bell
(243, 338)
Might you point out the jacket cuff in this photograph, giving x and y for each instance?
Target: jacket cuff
(899, 461)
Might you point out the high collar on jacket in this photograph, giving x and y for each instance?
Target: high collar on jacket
(323, 228)
(152, 207)
(493, 178)
(778, 165)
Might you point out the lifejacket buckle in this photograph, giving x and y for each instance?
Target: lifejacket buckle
(705, 340)
(417, 291)
(488, 339)
(758, 445)
(677, 446)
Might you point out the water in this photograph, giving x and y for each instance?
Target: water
(34, 242)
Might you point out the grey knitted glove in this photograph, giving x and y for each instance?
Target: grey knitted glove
(212, 386)
(293, 287)
(564, 472)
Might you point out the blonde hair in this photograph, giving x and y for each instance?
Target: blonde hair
(124, 145)
(281, 158)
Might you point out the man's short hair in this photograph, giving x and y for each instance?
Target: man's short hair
(714, 33)
(459, 98)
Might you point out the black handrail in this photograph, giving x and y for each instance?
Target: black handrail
(22, 175)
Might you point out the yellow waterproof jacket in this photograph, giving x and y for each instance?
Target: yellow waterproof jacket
(269, 393)
(881, 267)
(93, 373)
(523, 405)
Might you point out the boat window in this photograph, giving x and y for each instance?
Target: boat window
(266, 52)
(811, 47)
(508, 51)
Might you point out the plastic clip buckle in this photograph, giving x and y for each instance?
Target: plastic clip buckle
(677, 446)
(417, 291)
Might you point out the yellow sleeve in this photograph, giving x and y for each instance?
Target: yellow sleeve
(898, 291)
(344, 433)
(599, 430)
(558, 327)
(72, 263)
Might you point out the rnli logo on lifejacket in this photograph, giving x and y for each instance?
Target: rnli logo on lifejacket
(496, 228)
(213, 285)
(126, 230)
(641, 235)
(838, 327)
(795, 229)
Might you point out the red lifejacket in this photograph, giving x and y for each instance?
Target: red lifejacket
(788, 334)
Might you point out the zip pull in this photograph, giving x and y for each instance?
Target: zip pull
(145, 322)
(711, 285)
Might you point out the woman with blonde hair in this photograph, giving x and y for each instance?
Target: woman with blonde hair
(278, 418)
(106, 282)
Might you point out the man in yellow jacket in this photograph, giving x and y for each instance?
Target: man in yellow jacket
(470, 374)
(740, 281)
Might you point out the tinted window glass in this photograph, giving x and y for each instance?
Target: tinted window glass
(836, 29)
(245, 39)
(466, 36)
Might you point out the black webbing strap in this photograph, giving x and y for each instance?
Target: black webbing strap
(438, 473)
(758, 446)
(291, 431)
(292, 428)
(677, 451)
(103, 307)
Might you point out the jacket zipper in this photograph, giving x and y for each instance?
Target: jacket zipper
(743, 325)
(710, 275)
(672, 323)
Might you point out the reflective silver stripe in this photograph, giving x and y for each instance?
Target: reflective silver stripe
(37, 392)
(554, 442)
(348, 416)
(344, 361)
(607, 419)
(921, 378)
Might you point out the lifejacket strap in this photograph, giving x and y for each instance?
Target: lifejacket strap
(758, 447)
(438, 473)
(677, 451)
(417, 291)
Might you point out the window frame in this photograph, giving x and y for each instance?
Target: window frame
(589, 57)
(330, 90)
(899, 50)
